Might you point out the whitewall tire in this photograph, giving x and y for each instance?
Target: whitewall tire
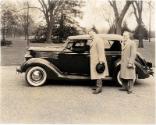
(36, 76)
(119, 79)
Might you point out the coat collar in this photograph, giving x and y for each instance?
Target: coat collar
(124, 46)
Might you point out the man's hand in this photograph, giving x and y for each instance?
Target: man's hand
(101, 62)
(130, 65)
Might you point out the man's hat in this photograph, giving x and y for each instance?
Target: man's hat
(100, 67)
(93, 29)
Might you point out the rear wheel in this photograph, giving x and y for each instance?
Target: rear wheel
(36, 76)
(119, 80)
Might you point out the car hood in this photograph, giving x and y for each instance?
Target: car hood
(54, 48)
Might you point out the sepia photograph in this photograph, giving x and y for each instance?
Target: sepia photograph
(77, 62)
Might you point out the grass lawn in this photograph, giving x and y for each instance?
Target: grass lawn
(148, 51)
(14, 54)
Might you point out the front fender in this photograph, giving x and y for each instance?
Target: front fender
(51, 69)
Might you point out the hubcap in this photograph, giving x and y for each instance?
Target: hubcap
(37, 75)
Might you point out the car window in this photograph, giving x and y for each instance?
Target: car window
(69, 45)
(115, 46)
(108, 44)
(79, 44)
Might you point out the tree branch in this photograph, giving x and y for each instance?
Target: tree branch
(113, 4)
(124, 10)
(43, 7)
(37, 8)
(135, 12)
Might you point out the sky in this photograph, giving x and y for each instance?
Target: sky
(96, 12)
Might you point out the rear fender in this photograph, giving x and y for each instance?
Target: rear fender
(52, 71)
(142, 74)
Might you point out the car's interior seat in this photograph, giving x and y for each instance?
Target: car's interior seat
(116, 46)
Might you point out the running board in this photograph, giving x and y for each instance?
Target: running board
(78, 77)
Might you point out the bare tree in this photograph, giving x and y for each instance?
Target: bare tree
(8, 21)
(53, 10)
(150, 6)
(119, 16)
(25, 21)
(49, 10)
(138, 7)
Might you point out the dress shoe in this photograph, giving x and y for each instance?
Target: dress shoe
(122, 89)
(129, 92)
(94, 88)
(97, 91)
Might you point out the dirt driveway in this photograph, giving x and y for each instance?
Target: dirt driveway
(73, 102)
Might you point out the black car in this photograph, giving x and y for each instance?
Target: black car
(72, 61)
(37, 39)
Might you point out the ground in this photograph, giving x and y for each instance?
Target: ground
(71, 101)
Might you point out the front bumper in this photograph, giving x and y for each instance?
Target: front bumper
(150, 71)
(144, 74)
(19, 69)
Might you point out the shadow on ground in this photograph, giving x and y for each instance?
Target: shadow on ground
(79, 83)
(87, 83)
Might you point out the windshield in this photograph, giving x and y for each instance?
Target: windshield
(65, 44)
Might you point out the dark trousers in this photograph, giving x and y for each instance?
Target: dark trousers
(128, 84)
(99, 83)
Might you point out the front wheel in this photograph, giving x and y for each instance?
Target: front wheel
(36, 76)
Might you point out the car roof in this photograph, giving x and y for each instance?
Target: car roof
(104, 36)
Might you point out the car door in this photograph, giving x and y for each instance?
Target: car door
(113, 53)
(76, 59)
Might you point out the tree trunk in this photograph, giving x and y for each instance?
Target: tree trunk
(49, 27)
(3, 35)
(49, 32)
(119, 17)
(118, 28)
(137, 6)
(3, 31)
(14, 32)
(140, 37)
(25, 35)
(149, 32)
(140, 31)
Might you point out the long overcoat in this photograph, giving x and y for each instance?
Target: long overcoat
(128, 56)
(97, 53)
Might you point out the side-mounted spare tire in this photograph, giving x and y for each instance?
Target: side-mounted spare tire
(36, 76)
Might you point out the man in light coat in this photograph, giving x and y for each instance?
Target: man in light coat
(128, 55)
(97, 55)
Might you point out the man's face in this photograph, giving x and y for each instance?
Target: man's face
(91, 33)
(125, 35)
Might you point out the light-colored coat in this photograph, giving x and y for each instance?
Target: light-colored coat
(128, 56)
(97, 53)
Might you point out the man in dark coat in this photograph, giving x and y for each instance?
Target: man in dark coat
(128, 56)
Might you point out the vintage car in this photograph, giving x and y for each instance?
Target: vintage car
(37, 39)
(72, 61)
